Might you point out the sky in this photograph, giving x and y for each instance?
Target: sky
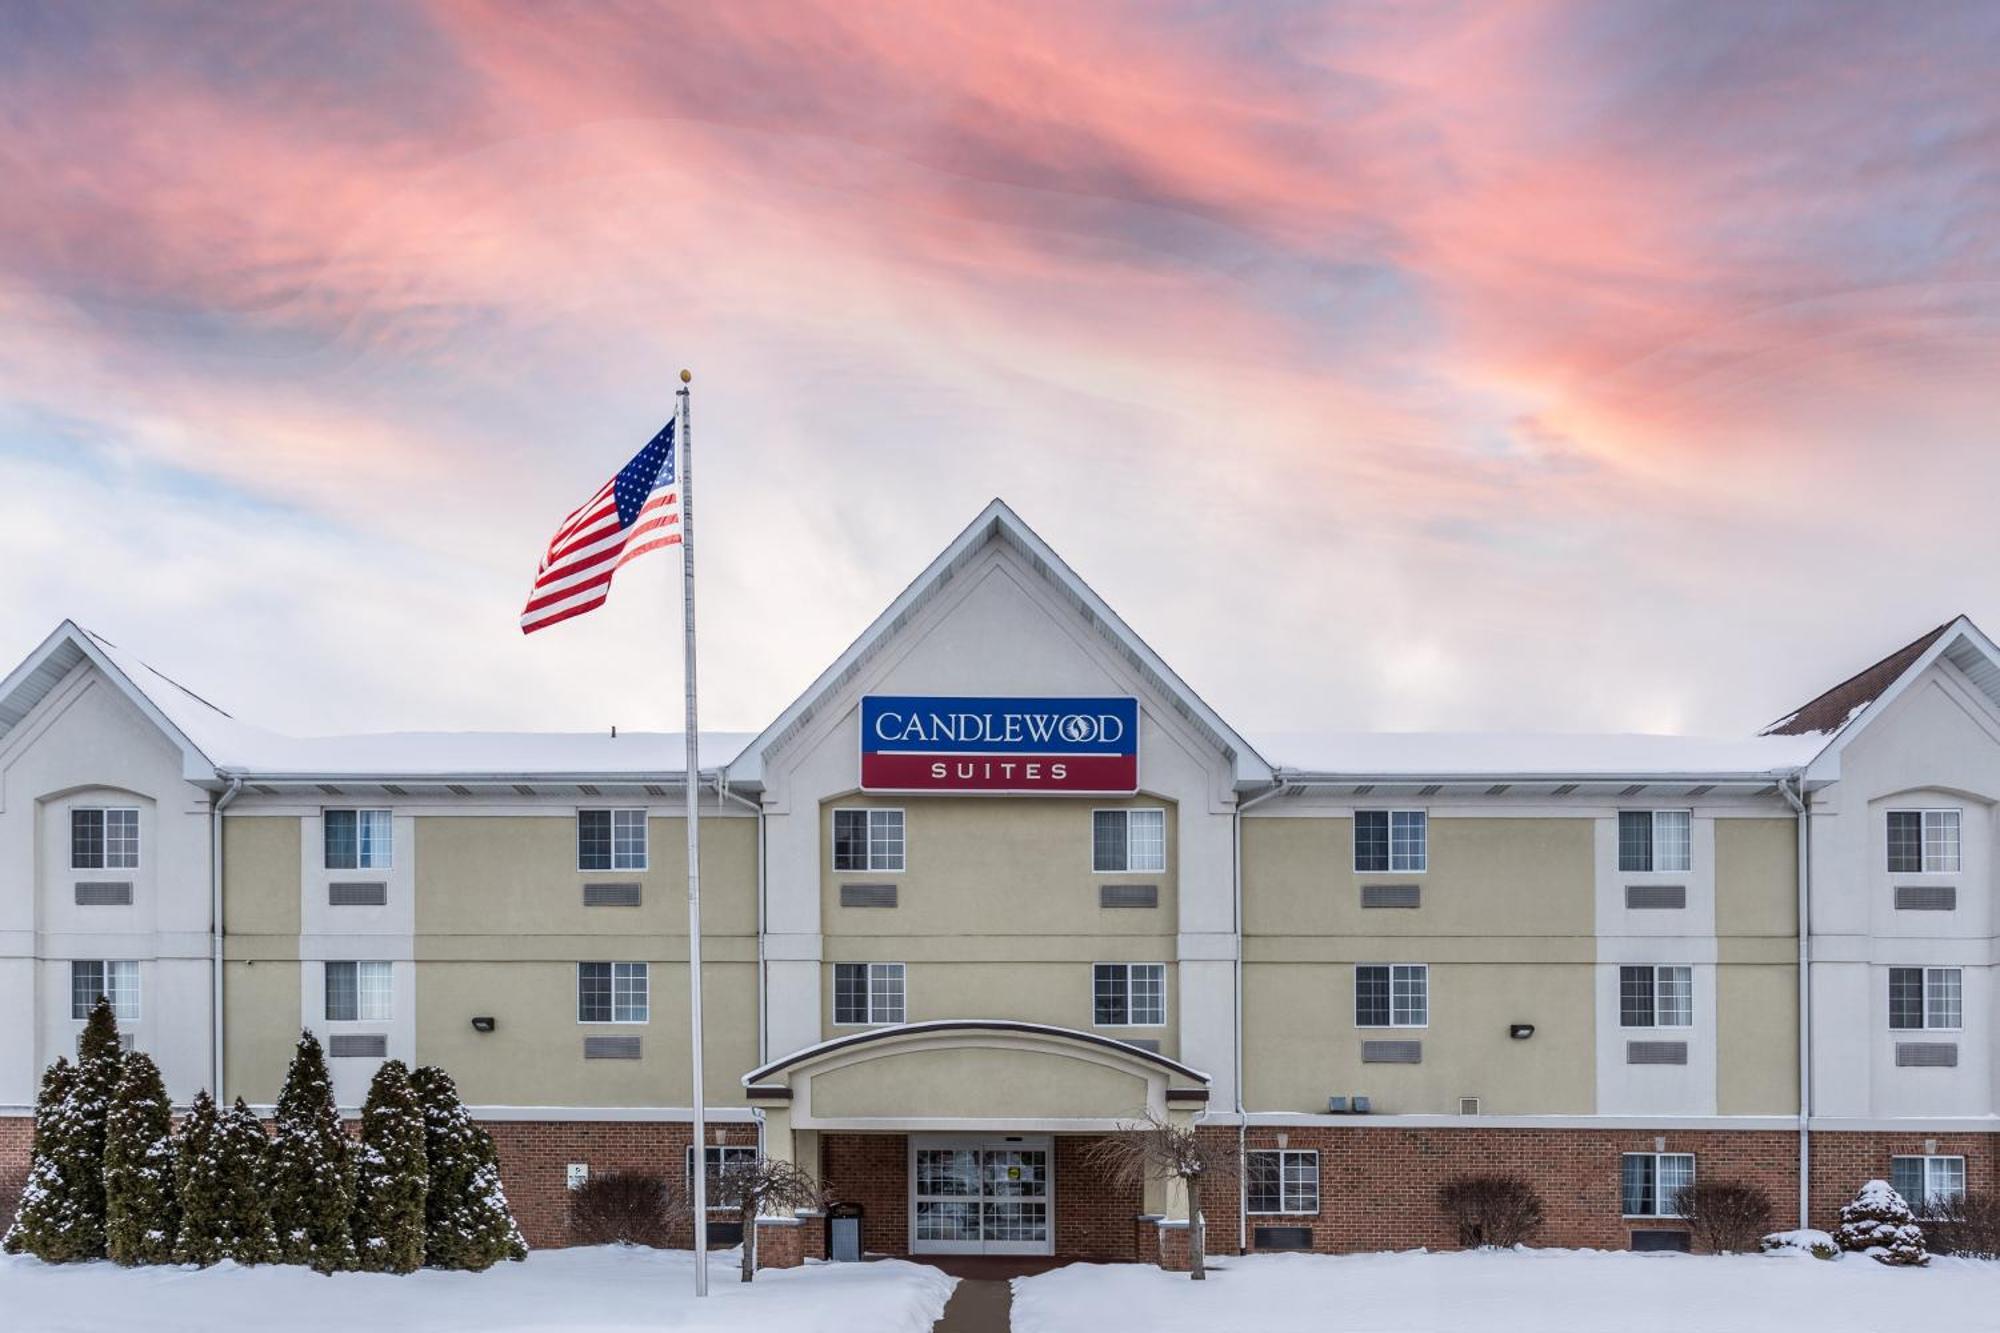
(1525, 366)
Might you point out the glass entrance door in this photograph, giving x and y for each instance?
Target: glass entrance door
(973, 1197)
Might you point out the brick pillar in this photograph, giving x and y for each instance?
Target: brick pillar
(781, 1242)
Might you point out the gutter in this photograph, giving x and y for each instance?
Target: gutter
(1236, 926)
(1795, 795)
(763, 995)
(216, 806)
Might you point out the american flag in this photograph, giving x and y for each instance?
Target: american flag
(635, 512)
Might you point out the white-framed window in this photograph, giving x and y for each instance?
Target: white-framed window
(104, 837)
(1391, 840)
(870, 840)
(1655, 840)
(1926, 998)
(1923, 842)
(1129, 995)
(868, 993)
(717, 1156)
(115, 979)
(1656, 995)
(612, 993)
(1652, 1179)
(358, 839)
(358, 992)
(1282, 1180)
(1929, 1180)
(1392, 995)
(1126, 840)
(611, 840)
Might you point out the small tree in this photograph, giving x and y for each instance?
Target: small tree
(61, 1219)
(43, 1209)
(208, 1219)
(754, 1188)
(1880, 1225)
(309, 1168)
(392, 1176)
(622, 1208)
(1502, 1211)
(1159, 1150)
(1725, 1216)
(243, 1146)
(141, 1218)
(467, 1223)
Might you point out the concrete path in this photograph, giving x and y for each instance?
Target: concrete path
(977, 1305)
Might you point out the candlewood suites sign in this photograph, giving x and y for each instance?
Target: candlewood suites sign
(945, 743)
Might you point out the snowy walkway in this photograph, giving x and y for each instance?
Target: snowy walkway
(1531, 1291)
(601, 1290)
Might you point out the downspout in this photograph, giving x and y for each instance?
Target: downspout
(216, 807)
(763, 998)
(1795, 796)
(1236, 926)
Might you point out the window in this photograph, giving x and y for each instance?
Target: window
(1122, 840)
(1389, 840)
(116, 981)
(1923, 842)
(717, 1156)
(1282, 1181)
(611, 993)
(1392, 995)
(866, 993)
(1654, 840)
(104, 839)
(357, 992)
(1652, 996)
(1928, 1181)
(357, 839)
(1925, 997)
(1129, 995)
(868, 840)
(611, 840)
(1653, 1179)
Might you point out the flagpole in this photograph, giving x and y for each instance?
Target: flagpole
(698, 1169)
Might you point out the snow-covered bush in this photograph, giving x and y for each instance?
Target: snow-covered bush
(467, 1223)
(391, 1177)
(61, 1219)
(1880, 1225)
(621, 1207)
(1727, 1217)
(1817, 1244)
(1491, 1210)
(223, 1213)
(309, 1168)
(1968, 1224)
(140, 1215)
(42, 1201)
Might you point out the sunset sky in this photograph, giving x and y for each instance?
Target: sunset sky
(1586, 366)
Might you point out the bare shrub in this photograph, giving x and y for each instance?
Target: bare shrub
(1161, 1150)
(1491, 1210)
(1726, 1216)
(1968, 1225)
(631, 1207)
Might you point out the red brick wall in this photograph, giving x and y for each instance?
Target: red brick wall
(1093, 1217)
(535, 1157)
(17, 1135)
(1843, 1162)
(872, 1170)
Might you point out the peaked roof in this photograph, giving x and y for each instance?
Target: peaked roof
(1959, 642)
(1831, 711)
(999, 523)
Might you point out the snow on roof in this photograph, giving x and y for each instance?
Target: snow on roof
(1500, 754)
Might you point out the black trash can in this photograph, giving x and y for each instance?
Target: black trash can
(843, 1230)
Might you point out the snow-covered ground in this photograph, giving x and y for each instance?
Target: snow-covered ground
(1516, 1291)
(597, 1290)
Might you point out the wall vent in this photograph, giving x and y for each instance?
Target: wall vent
(523, 789)
(104, 893)
(1656, 1052)
(395, 790)
(1364, 789)
(868, 895)
(1927, 1054)
(1498, 789)
(655, 789)
(1468, 1106)
(1128, 895)
(612, 895)
(1924, 897)
(1564, 790)
(1702, 790)
(357, 1045)
(1282, 1238)
(458, 789)
(1430, 789)
(358, 893)
(587, 789)
(1392, 895)
(1646, 897)
(1661, 1239)
(610, 1048)
(330, 789)
(1392, 1052)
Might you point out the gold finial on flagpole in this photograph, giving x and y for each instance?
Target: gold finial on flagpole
(687, 377)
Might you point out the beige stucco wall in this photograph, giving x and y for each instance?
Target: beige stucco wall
(978, 1082)
(516, 875)
(261, 1004)
(1756, 1056)
(534, 1056)
(1756, 877)
(1056, 993)
(260, 872)
(1301, 1044)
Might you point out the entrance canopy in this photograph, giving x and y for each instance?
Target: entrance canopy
(963, 1074)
